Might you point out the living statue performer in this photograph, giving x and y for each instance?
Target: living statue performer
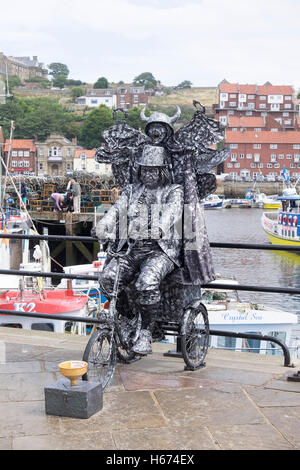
(156, 244)
(188, 156)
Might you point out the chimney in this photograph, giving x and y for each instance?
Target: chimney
(74, 140)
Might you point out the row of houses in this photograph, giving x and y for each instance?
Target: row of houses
(262, 129)
(56, 156)
(122, 97)
(23, 67)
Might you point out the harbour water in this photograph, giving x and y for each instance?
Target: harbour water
(253, 267)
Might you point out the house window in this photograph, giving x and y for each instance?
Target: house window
(20, 153)
(249, 155)
(236, 165)
(273, 157)
(241, 155)
(41, 152)
(14, 153)
(135, 98)
(288, 97)
(256, 157)
(287, 122)
(249, 113)
(233, 146)
(281, 156)
(285, 114)
(229, 165)
(276, 165)
(26, 153)
(232, 95)
(233, 157)
(296, 157)
(257, 129)
(251, 105)
(68, 166)
(260, 165)
(251, 97)
(262, 105)
(257, 146)
(94, 101)
(234, 129)
(41, 166)
(275, 107)
(14, 163)
(287, 106)
(252, 165)
(292, 165)
(20, 164)
(223, 96)
(274, 129)
(68, 152)
(269, 165)
(273, 146)
(232, 104)
(289, 157)
(296, 146)
(55, 152)
(262, 98)
(26, 164)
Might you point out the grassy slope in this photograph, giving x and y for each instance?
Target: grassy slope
(205, 95)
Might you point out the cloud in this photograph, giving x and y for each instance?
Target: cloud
(198, 40)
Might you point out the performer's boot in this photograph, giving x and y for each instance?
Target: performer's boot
(143, 345)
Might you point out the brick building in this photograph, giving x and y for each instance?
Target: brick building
(128, 97)
(23, 67)
(254, 153)
(20, 157)
(257, 101)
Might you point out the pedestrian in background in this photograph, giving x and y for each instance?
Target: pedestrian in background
(76, 191)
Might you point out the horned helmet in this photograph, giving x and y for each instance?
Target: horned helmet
(159, 125)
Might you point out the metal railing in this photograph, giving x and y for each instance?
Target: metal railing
(281, 290)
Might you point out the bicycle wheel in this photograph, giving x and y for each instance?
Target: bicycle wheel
(100, 355)
(194, 337)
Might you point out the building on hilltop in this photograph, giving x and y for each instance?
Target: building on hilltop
(20, 156)
(23, 67)
(277, 101)
(84, 160)
(55, 156)
(124, 97)
(95, 97)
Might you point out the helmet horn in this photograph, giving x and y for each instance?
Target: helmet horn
(176, 115)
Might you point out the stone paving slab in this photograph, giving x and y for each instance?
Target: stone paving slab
(238, 401)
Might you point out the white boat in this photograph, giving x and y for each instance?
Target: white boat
(213, 201)
(226, 312)
(240, 203)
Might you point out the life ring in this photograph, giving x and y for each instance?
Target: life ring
(295, 220)
(290, 220)
(284, 219)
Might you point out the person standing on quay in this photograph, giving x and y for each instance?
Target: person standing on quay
(76, 191)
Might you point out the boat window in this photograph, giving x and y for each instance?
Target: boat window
(226, 342)
(42, 326)
(11, 325)
(273, 348)
(252, 345)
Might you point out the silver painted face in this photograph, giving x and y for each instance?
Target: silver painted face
(157, 132)
(150, 176)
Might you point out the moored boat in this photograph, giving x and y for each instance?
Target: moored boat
(283, 227)
(213, 201)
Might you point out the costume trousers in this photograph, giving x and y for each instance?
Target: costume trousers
(147, 267)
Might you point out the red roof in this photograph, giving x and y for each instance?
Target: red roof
(245, 121)
(88, 153)
(275, 90)
(248, 89)
(263, 137)
(22, 144)
(229, 88)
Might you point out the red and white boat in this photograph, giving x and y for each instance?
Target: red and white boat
(48, 302)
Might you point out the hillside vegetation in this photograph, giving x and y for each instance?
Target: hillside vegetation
(205, 95)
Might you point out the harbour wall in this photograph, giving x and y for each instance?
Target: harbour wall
(238, 189)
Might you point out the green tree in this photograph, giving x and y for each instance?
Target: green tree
(145, 79)
(94, 124)
(102, 82)
(77, 91)
(184, 84)
(59, 81)
(56, 68)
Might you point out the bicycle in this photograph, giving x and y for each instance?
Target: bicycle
(114, 338)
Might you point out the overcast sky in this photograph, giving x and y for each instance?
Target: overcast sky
(202, 41)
